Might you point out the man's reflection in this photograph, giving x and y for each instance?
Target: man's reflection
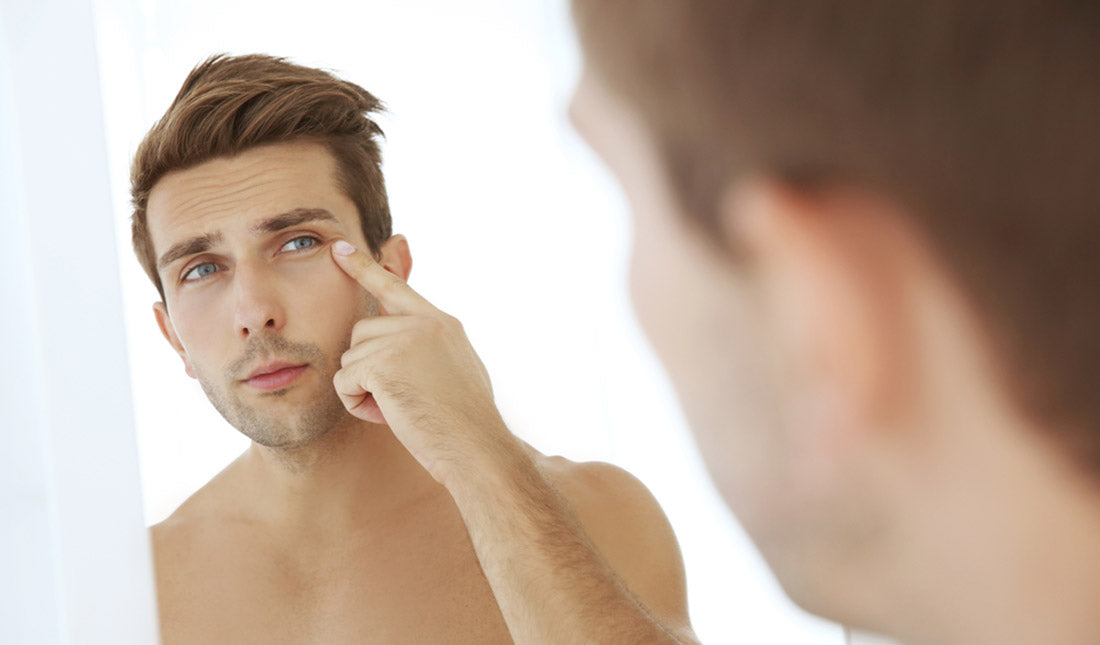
(261, 216)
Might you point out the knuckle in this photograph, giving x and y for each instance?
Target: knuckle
(360, 330)
(391, 353)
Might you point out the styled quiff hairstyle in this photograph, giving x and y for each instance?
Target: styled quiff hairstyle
(981, 119)
(230, 104)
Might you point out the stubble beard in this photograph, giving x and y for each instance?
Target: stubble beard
(308, 421)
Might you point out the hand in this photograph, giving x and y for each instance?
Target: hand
(549, 579)
(414, 368)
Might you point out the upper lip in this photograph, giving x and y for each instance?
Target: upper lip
(268, 368)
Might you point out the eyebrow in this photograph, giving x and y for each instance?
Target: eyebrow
(206, 241)
(193, 246)
(293, 218)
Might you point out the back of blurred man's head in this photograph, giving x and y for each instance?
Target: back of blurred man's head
(979, 121)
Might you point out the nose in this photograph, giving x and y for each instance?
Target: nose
(259, 305)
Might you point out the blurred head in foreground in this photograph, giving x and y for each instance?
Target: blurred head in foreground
(867, 250)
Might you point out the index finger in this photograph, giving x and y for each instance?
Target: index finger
(391, 291)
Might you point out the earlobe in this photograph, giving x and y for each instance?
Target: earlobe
(164, 321)
(396, 257)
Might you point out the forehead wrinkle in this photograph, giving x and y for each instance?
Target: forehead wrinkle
(207, 197)
(217, 196)
(232, 177)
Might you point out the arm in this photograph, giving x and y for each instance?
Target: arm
(550, 578)
(598, 571)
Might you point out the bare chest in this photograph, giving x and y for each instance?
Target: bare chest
(416, 586)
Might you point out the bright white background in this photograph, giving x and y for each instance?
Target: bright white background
(515, 228)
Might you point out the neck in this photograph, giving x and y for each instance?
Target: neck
(357, 473)
(994, 534)
(1001, 544)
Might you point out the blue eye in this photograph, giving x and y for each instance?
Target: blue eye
(201, 271)
(299, 243)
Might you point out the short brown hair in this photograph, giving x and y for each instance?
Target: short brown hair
(230, 104)
(982, 119)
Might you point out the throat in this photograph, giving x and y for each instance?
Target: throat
(353, 475)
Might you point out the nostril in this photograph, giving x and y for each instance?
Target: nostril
(270, 322)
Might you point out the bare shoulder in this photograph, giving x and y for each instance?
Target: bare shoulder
(204, 557)
(199, 523)
(172, 534)
(628, 527)
(176, 540)
(603, 494)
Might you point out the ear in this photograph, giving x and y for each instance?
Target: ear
(164, 321)
(834, 267)
(396, 257)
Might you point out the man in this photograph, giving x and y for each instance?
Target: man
(866, 251)
(260, 214)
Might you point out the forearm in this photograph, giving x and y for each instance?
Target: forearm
(550, 582)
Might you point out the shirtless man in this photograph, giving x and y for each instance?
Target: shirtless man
(260, 214)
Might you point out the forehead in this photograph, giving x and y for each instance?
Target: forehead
(228, 194)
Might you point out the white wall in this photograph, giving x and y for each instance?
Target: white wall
(74, 555)
(515, 228)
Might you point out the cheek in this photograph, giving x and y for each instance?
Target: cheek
(327, 302)
(669, 289)
(646, 293)
(656, 276)
(696, 310)
(197, 321)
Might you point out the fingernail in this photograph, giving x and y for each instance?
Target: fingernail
(343, 248)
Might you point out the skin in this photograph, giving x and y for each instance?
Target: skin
(357, 514)
(849, 409)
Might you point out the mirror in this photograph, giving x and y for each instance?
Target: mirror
(515, 228)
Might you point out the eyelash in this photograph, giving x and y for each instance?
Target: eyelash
(196, 268)
(316, 240)
(313, 238)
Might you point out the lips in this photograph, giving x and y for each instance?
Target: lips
(274, 376)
